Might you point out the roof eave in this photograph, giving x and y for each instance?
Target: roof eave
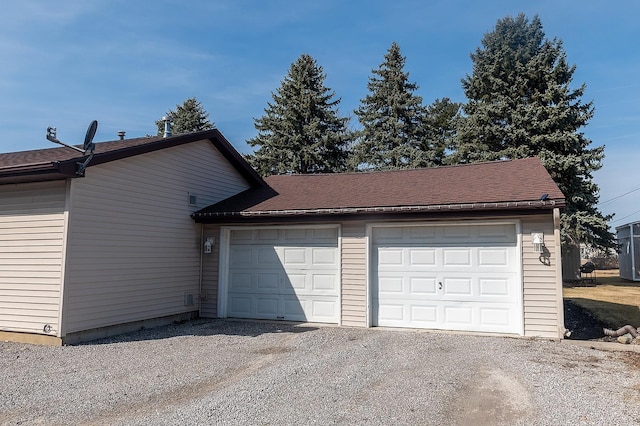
(40, 172)
(212, 217)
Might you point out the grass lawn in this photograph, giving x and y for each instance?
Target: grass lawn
(614, 301)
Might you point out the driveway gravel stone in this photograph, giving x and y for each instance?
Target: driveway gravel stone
(262, 373)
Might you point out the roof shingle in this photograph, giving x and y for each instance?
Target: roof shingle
(61, 163)
(502, 182)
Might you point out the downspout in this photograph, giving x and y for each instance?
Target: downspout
(200, 275)
(562, 331)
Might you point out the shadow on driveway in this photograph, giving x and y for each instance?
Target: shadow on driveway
(206, 327)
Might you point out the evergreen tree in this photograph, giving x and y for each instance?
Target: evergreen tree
(187, 118)
(520, 104)
(442, 120)
(301, 131)
(394, 134)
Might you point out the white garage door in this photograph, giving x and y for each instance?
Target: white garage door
(458, 277)
(284, 273)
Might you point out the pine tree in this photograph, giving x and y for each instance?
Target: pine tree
(394, 134)
(187, 118)
(301, 131)
(520, 104)
(442, 120)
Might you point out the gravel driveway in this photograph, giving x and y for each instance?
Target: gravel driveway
(236, 372)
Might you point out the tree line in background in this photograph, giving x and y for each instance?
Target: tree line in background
(519, 104)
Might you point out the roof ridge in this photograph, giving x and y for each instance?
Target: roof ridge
(370, 172)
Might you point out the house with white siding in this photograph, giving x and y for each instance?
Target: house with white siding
(163, 229)
(114, 248)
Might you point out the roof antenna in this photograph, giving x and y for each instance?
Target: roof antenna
(88, 144)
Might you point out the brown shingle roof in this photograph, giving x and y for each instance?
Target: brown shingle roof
(61, 163)
(514, 184)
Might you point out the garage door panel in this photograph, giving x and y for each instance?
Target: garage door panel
(421, 233)
(240, 306)
(458, 277)
(422, 257)
(324, 283)
(241, 281)
(458, 316)
(457, 287)
(419, 286)
(390, 314)
(324, 309)
(296, 282)
(284, 273)
(502, 233)
(456, 257)
(267, 235)
(495, 317)
(241, 256)
(294, 309)
(310, 308)
(295, 234)
(424, 315)
(267, 257)
(391, 286)
(390, 257)
(266, 281)
(457, 232)
(327, 235)
(324, 256)
(399, 314)
(266, 306)
(494, 287)
(295, 256)
(239, 236)
(493, 257)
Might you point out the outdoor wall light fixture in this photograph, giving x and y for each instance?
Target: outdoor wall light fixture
(538, 242)
(208, 243)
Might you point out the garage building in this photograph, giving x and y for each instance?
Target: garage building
(471, 248)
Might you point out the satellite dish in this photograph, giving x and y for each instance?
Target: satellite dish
(91, 132)
(88, 145)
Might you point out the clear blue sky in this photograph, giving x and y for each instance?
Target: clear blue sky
(125, 63)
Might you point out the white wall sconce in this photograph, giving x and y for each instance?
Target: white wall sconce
(537, 238)
(208, 244)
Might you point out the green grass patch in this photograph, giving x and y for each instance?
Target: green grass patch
(614, 301)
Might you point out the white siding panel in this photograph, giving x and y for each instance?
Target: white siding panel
(539, 279)
(354, 274)
(31, 244)
(134, 249)
(210, 268)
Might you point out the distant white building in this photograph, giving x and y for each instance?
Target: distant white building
(629, 257)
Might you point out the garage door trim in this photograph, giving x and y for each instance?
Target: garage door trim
(224, 258)
(372, 265)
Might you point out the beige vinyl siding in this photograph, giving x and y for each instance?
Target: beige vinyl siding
(540, 289)
(32, 223)
(354, 274)
(210, 270)
(134, 251)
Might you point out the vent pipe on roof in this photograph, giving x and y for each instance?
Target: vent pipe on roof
(167, 126)
(121, 134)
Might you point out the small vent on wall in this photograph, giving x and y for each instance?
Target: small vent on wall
(188, 299)
(193, 199)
